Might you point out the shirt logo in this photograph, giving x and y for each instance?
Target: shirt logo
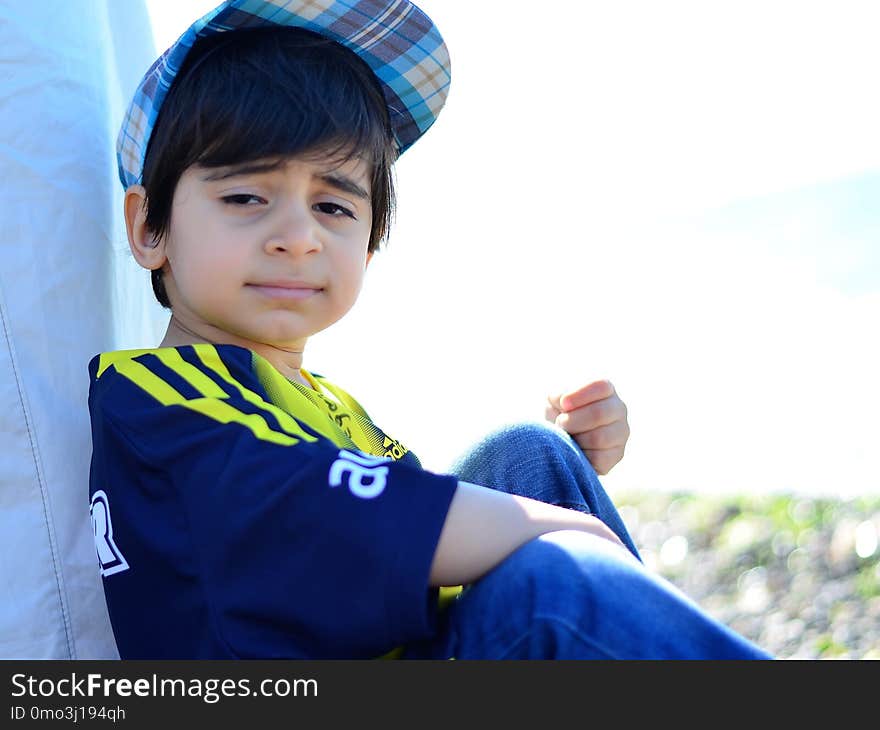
(364, 477)
(110, 557)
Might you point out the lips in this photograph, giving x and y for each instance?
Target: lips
(289, 290)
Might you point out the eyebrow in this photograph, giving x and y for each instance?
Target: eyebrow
(340, 182)
(246, 168)
(346, 184)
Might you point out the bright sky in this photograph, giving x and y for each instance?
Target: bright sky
(679, 197)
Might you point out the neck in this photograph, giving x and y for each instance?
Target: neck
(286, 359)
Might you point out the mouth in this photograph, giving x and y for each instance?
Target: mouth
(291, 291)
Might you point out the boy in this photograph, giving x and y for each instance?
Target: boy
(245, 507)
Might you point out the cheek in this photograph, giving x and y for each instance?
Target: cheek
(206, 271)
(347, 284)
(353, 275)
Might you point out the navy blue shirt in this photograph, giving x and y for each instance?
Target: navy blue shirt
(240, 514)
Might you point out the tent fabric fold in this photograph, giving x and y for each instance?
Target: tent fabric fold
(68, 290)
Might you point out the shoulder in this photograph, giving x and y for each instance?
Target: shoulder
(188, 370)
(127, 384)
(178, 396)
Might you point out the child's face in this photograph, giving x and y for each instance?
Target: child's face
(267, 254)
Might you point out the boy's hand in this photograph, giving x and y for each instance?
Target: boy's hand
(596, 417)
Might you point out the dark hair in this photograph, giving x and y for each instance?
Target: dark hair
(268, 93)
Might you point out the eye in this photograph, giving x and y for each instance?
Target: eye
(242, 199)
(335, 210)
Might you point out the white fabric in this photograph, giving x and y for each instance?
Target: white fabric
(68, 290)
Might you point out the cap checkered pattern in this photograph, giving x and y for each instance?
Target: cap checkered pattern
(396, 39)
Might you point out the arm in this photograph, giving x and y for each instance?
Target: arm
(483, 526)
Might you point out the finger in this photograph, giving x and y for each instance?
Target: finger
(595, 391)
(610, 436)
(551, 413)
(593, 416)
(603, 460)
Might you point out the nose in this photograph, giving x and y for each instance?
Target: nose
(296, 233)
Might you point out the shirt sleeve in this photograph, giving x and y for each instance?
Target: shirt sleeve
(299, 548)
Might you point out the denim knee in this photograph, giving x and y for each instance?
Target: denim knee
(533, 459)
(534, 434)
(540, 460)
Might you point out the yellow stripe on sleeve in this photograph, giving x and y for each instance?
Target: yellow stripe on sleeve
(211, 359)
(223, 412)
(171, 358)
(147, 380)
(111, 358)
(214, 408)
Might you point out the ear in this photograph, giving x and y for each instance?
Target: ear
(369, 258)
(146, 249)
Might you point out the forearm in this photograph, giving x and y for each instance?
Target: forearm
(484, 526)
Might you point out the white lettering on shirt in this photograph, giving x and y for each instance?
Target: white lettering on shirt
(110, 557)
(365, 478)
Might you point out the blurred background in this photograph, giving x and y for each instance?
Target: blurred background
(681, 198)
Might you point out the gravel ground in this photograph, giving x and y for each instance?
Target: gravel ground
(799, 576)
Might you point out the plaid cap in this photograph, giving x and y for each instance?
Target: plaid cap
(396, 39)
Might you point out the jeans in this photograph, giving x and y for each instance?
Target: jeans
(568, 594)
